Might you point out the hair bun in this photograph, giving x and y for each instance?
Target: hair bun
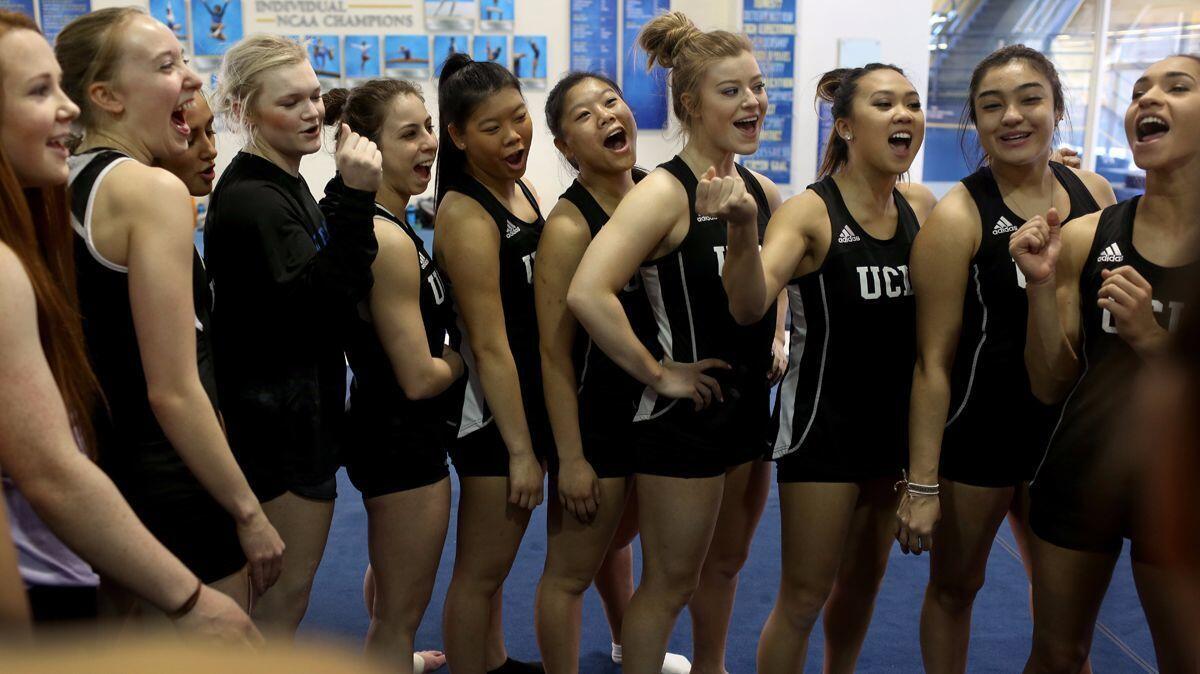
(335, 102)
(664, 35)
(454, 63)
(830, 82)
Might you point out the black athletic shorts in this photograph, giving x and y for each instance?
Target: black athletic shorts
(198, 531)
(812, 465)
(482, 452)
(378, 469)
(609, 454)
(53, 604)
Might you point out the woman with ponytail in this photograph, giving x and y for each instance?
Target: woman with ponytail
(698, 442)
(840, 249)
(145, 303)
(47, 388)
(398, 347)
(289, 275)
(487, 230)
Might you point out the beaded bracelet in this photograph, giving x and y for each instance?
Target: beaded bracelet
(915, 489)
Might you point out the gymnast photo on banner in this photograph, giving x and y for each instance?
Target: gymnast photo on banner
(406, 56)
(218, 24)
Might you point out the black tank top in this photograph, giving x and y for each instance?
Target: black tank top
(132, 447)
(518, 245)
(379, 409)
(691, 310)
(845, 392)
(607, 394)
(989, 380)
(1080, 444)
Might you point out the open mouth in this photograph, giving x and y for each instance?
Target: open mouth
(178, 121)
(1015, 137)
(515, 160)
(1151, 127)
(59, 145)
(747, 125)
(311, 131)
(209, 174)
(901, 140)
(424, 170)
(617, 140)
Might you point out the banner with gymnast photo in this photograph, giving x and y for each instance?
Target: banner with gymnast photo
(645, 92)
(407, 57)
(490, 48)
(362, 58)
(324, 54)
(56, 14)
(174, 15)
(497, 15)
(444, 46)
(216, 24)
(451, 15)
(529, 60)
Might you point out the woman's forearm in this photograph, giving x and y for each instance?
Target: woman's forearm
(601, 314)
(928, 410)
(502, 389)
(745, 284)
(1049, 358)
(562, 401)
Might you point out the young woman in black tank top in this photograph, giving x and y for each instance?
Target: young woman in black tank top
(145, 303)
(399, 404)
(971, 314)
(63, 508)
(841, 250)
(700, 491)
(487, 229)
(589, 399)
(1104, 294)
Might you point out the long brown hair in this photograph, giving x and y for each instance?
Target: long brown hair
(34, 224)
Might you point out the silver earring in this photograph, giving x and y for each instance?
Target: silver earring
(849, 136)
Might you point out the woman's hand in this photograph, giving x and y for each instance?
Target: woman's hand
(264, 551)
(916, 517)
(579, 488)
(525, 480)
(216, 616)
(1035, 247)
(689, 381)
(1127, 295)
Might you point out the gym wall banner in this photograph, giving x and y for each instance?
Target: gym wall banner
(497, 15)
(407, 56)
(456, 15)
(771, 25)
(594, 37)
(53, 15)
(360, 53)
(645, 92)
(529, 60)
(492, 48)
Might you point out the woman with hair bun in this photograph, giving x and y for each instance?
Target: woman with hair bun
(971, 312)
(145, 303)
(403, 368)
(487, 229)
(287, 276)
(840, 249)
(697, 443)
(48, 390)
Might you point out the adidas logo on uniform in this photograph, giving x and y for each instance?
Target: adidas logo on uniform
(1111, 254)
(705, 218)
(848, 235)
(1003, 226)
(424, 261)
(511, 231)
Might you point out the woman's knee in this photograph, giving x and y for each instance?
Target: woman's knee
(801, 600)
(955, 592)
(563, 580)
(1053, 654)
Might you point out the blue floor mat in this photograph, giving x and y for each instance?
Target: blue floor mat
(1000, 630)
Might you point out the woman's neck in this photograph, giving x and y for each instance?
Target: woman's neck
(114, 140)
(1034, 179)
(867, 188)
(392, 199)
(700, 153)
(503, 188)
(607, 188)
(290, 164)
(1171, 203)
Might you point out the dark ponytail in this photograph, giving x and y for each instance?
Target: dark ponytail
(463, 85)
(837, 87)
(364, 108)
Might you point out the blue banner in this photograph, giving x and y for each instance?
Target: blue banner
(407, 56)
(490, 48)
(173, 15)
(645, 92)
(56, 14)
(594, 37)
(771, 25)
(23, 6)
(362, 56)
(216, 25)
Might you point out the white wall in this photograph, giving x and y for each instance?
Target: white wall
(902, 29)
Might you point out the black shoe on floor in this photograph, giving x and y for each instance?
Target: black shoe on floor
(511, 666)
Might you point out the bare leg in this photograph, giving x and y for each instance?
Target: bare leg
(1068, 586)
(614, 580)
(677, 518)
(406, 531)
(961, 545)
(815, 519)
(864, 561)
(574, 553)
(303, 524)
(489, 534)
(1166, 604)
(746, 490)
(236, 586)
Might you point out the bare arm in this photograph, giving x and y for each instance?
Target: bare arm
(939, 262)
(470, 251)
(14, 608)
(564, 240)
(1050, 258)
(75, 499)
(164, 317)
(396, 312)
